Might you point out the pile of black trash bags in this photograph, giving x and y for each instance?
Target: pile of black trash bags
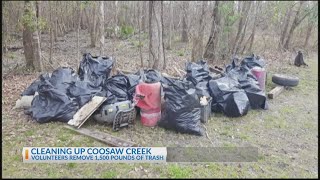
(62, 93)
(233, 94)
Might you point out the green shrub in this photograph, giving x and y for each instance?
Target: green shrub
(126, 31)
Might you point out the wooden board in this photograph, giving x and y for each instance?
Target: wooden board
(275, 92)
(131, 72)
(104, 137)
(86, 111)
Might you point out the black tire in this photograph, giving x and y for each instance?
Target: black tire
(285, 80)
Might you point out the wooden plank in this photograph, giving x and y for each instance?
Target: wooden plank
(86, 111)
(131, 72)
(275, 92)
(104, 137)
(215, 70)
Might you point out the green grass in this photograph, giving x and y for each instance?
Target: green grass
(109, 174)
(175, 171)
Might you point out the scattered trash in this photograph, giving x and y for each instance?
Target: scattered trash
(205, 109)
(261, 75)
(119, 114)
(24, 102)
(67, 96)
(95, 69)
(228, 97)
(117, 89)
(182, 108)
(197, 72)
(285, 80)
(51, 104)
(30, 91)
(80, 117)
(151, 76)
(253, 61)
(82, 91)
(62, 77)
(248, 82)
(275, 92)
(148, 99)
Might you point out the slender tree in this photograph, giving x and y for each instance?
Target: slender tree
(210, 52)
(31, 41)
(102, 32)
(184, 34)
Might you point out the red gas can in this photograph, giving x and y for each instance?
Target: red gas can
(149, 100)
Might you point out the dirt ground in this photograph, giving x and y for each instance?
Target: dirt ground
(286, 134)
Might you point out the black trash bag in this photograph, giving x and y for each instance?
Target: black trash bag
(117, 89)
(62, 77)
(228, 97)
(256, 96)
(252, 61)
(249, 83)
(95, 69)
(82, 91)
(134, 80)
(202, 89)
(182, 108)
(197, 72)
(31, 90)
(151, 76)
(51, 104)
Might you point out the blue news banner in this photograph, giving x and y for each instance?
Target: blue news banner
(94, 154)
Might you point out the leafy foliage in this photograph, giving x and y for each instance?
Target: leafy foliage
(29, 17)
(126, 31)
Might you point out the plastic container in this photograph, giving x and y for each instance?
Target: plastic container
(148, 98)
(150, 118)
(260, 74)
(206, 111)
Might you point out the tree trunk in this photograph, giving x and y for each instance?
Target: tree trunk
(162, 40)
(56, 23)
(184, 35)
(197, 47)
(78, 34)
(210, 52)
(309, 30)
(51, 33)
(156, 34)
(244, 13)
(243, 34)
(254, 26)
(31, 41)
(151, 53)
(285, 27)
(102, 28)
(170, 26)
(144, 18)
(37, 48)
(93, 26)
(295, 24)
(28, 47)
(139, 28)
(116, 14)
